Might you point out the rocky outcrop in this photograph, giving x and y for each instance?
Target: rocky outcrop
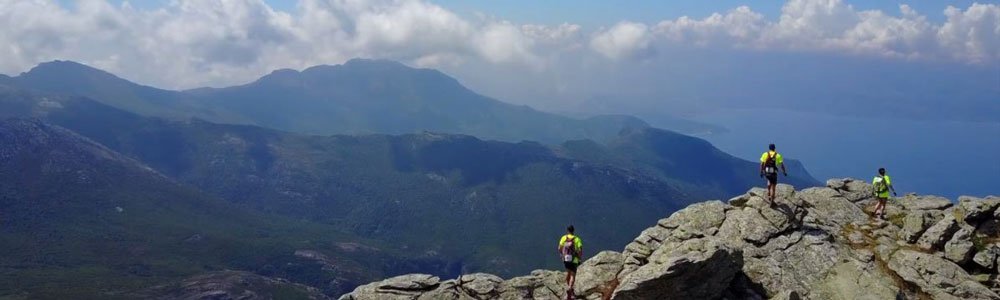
(695, 275)
(817, 243)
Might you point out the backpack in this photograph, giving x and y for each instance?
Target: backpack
(770, 166)
(569, 249)
(880, 185)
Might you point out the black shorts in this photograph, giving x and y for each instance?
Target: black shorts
(772, 178)
(570, 266)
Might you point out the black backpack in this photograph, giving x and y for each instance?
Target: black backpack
(770, 165)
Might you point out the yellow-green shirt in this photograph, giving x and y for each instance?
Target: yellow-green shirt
(888, 183)
(777, 157)
(577, 243)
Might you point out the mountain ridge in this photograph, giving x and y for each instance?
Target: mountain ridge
(287, 99)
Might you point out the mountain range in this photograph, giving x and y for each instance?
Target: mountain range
(358, 97)
(327, 211)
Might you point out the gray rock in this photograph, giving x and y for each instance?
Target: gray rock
(855, 190)
(914, 225)
(696, 275)
(836, 184)
(977, 209)
(937, 276)
(787, 295)
(936, 236)
(480, 285)
(959, 249)
(826, 209)
(598, 273)
(913, 202)
(817, 243)
(987, 258)
(408, 286)
(747, 224)
(696, 220)
(855, 280)
(797, 265)
(541, 284)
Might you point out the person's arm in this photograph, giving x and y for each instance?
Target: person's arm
(781, 161)
(891, 188)
(579, 248)
(763, 159)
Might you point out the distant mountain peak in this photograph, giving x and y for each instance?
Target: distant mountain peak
(64, 67)
(374, 62)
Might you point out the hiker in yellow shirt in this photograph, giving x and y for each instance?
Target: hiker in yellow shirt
(881, 185)
(769, 162)
(570, 251)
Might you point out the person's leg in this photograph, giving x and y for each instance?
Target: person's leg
(772, 186)
(572, 279)
(878, 206)
(881, 204)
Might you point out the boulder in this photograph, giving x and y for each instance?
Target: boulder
(696, 220)
(936, 236)
(695, 275)
(797, 262)
(960, 248)
(828, 210)
(746, 224)
(408, 286)
(914, 225)
(936, 276)
(836, 184)
(977, 209)
(598, 273)
(987, 257)
(855, 190)
(541, 284)
(914, 202)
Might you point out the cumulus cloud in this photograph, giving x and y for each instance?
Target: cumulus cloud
(190, 43)
(969, 36)
(624, 40)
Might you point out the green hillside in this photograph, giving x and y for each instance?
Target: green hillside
(81, 221)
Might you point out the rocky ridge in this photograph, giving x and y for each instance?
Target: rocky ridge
(817, 243)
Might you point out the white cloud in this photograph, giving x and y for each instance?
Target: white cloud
(969, 36)
(624, 40)
(973, 34)
(738, 27)
(190, 43)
